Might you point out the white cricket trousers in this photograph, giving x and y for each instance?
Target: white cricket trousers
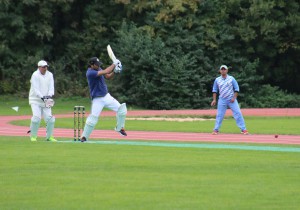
(38, 111)
(107, 101)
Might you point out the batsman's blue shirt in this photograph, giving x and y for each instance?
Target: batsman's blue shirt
(225, 87)
(97, 85)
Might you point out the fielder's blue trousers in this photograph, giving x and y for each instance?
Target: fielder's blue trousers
(223, 104)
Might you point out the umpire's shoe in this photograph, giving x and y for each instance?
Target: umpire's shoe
(51, 138)
(121, 132)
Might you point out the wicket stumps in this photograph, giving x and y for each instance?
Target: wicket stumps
(79, 121)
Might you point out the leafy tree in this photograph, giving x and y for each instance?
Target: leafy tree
(270, 31)
(154, 76)
(171, 50)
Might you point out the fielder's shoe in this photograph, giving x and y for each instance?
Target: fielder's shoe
(215, 132)
(52, 139)
(33, 139)
(245, 132)
(83, 139)
(121, 132)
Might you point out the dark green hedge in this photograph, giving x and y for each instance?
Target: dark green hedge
(170, 50)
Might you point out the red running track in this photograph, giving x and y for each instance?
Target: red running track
(6, 129)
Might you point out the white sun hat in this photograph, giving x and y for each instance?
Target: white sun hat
(42, 63)
(223, 66)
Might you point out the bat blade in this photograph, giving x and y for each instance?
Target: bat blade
(111, 53)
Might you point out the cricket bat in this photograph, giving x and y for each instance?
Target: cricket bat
(111, 53)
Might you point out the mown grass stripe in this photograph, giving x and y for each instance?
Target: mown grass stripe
(185, 145)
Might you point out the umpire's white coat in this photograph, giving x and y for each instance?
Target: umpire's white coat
(41, 85)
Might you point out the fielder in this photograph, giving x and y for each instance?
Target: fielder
(228, 90)
(101, 98)
(40, 100)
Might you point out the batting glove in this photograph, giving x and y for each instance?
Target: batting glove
(116, 62)
(118, 68)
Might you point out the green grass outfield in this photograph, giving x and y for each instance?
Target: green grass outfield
(46, 175)
(148, 175)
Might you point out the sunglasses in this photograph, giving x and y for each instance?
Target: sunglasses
(44, 66)
(223, 69)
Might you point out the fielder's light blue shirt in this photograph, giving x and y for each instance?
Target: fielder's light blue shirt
(97, 85)
(225, 86)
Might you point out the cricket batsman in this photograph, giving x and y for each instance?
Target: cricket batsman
(96, 77)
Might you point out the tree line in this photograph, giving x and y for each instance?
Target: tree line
(170, 50)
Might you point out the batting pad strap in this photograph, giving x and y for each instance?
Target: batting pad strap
(50, 120)
(121, 116)
(91, 121)
(34, 126)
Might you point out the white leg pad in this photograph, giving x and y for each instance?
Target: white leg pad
(91, 121)
(50, 121)
(34, 126)
(121, 116)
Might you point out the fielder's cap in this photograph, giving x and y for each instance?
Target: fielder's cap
(95, 60)
(42, 63)
(223, 66)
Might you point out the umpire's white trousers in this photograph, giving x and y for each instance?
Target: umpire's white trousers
(38, 111)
